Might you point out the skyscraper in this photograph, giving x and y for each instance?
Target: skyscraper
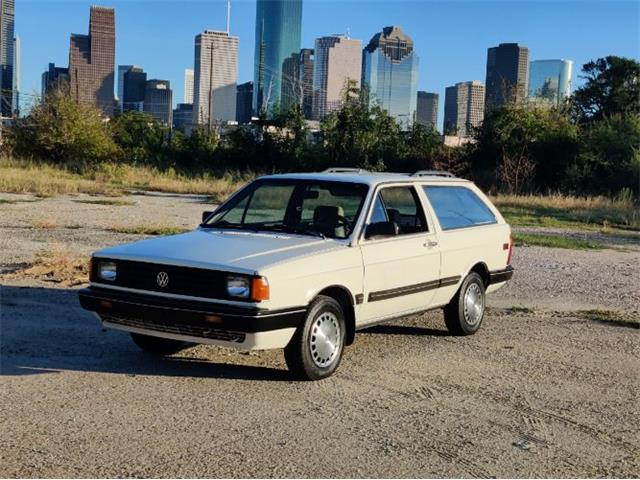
(390, 73)
(54, 78)
(338, 61)
(188, 86)
(122, 69)
(297, 81)
(550, 81)
(427, 109)
(507, 74)
(463, 108)
(92, 61)
(278, 29)
(134, 85)
(244, 97)
(158, 100)
(7, 27)
(215, 77)
(183, 116)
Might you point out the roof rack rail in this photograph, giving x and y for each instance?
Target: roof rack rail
(344, 170)
(433, 173)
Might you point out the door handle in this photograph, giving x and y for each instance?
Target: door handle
(431, 244)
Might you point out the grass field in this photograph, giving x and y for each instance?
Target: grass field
(21, 176)
(560, 211)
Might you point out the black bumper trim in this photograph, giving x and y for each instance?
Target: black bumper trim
(187, 312)
(498, 276)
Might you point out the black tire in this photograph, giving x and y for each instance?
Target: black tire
(302, 356)
(157, 345)
(466, 322)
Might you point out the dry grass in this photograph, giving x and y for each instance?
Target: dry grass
(57, 266)
(44, 224)
(561, 211)
(623, 319)
(150, 230)
(108, 202)
(21, 176)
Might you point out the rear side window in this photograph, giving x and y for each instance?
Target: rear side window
(458, 207)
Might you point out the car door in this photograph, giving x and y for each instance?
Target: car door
(401, 272)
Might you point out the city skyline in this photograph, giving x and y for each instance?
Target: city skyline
(462, 57)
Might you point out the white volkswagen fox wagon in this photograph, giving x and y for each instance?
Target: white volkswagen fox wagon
(303, 261)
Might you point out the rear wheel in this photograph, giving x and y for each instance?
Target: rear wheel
(316, 349)
(465, 312)
(157, 345)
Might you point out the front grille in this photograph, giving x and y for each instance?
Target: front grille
(197, 282)
(198, 331)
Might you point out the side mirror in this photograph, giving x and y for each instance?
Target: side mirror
(205, 215)
(381, 229)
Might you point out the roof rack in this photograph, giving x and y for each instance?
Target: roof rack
(433, 173)
(344, 170)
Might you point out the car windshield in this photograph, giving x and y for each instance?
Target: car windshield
(305, 207)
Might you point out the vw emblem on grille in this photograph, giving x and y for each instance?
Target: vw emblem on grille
(162, 279)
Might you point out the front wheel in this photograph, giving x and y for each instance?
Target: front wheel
(316, 349)
(157, 345)
(465, 312)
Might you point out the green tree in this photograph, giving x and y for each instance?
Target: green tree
(610, 157)
(360, 135)
(141, 138)
(523, 148)
(60, 130)
(612, 86)
(421, 148)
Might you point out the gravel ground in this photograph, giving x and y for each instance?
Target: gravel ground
(539, 393)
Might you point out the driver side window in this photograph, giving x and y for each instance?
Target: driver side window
(401, 206)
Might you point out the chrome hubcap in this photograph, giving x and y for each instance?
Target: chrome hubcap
(473, 305)
(324, 340)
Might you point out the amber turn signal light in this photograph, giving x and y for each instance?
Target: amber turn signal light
(259, 289)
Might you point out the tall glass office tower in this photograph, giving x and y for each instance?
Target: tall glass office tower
(390, 73)
(278, 28)
(550, 81)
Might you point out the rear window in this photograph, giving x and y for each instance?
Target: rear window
(458, 207)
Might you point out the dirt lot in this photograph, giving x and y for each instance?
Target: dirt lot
(540, 391)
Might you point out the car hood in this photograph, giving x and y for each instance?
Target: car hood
(230, 250)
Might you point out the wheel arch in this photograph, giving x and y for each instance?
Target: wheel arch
(343, 296)
(481, 269)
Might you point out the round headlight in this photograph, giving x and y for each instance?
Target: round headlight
(107, 271)
(238, 287)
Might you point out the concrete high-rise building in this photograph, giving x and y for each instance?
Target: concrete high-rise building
(244, 98)
(390, 73)
(134, 86)
(550, 81)
(188, 86)
(215, 78)
(278, 29)
(183, 116)
(297, 81)
(507, 74)
(16, 76)
(54, 78)
(463, 108)
(122, 69)
(7, 57)
(92, 61)
(427, 109)
(337, 62)
(158, 100)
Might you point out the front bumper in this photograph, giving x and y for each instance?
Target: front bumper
(191, 320)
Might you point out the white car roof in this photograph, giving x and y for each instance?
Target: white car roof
(370, 178)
